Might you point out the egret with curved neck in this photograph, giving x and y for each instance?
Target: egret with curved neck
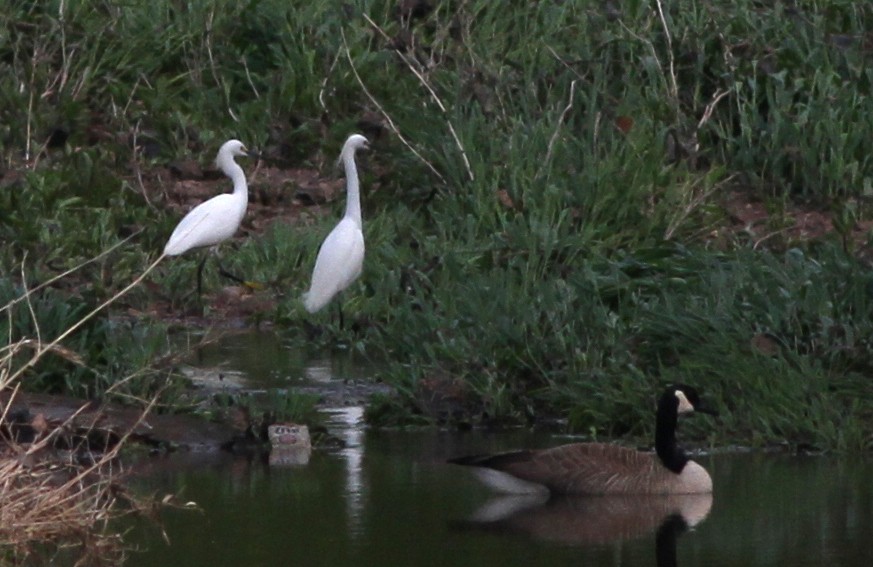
(599, 468)
(341, 256)
(217, 219)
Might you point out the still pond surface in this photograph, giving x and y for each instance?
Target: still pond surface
(388, 498)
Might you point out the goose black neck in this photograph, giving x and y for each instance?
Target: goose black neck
(665, 540)
(671, 455)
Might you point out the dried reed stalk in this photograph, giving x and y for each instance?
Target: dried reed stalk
(53, 500)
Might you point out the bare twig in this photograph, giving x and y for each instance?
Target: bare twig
(138, 170)
(127, 104)
(326, 79)
(564, 63)
(654, 54)
(29, 135)
(387, 117)
(557, 131)
(597, 118)
(30, 309)
(433, 96)
(673, 82)
(249, 77)
(212, 66)
(66, 273)
(74, 327)
(707, 112)
(693, 204)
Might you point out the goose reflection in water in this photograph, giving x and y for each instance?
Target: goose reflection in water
(602, 520)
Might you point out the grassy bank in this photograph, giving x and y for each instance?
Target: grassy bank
(567, 204)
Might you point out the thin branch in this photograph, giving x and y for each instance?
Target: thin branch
(30, 308)
(564, 63)
(707, 112)
(674, 83)
(651, 48)
(435, 98)
(249, 77)
(29, 136)
(385, 114)
(212, 67)
(693, 204)
(74, 327)
(561, 120)
(326, 79)
(64, 274)
(137, 169)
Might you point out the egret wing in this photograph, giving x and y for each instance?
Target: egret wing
(337, 265)
(206, 224)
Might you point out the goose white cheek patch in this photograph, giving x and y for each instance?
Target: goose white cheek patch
(684, 405)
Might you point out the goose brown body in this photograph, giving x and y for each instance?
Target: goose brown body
(600, 468)
(593, 469)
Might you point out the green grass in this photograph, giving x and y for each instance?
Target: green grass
(557, 239)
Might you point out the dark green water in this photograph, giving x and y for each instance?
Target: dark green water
(263, 360)
(389, 499)
(392, 501)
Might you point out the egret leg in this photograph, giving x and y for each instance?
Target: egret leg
(224, 273)
(339, 308)
(200, 279)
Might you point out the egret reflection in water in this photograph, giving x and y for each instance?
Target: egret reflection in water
(586, 521)
(349, 421)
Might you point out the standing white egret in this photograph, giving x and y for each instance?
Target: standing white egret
(217, 219)
(341, 256)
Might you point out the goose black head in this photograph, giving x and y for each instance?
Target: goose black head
(685, 399)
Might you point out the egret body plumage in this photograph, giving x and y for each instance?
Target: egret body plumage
(217, 219)
(341, 256)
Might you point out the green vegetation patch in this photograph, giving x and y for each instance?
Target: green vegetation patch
(568, 204)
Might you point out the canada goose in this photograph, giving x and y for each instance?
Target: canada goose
(599, 468)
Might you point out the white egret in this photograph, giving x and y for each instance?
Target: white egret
(217, 219)
(341, 256)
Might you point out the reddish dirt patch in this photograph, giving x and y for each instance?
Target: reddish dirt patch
(275, 195)
(795, 224)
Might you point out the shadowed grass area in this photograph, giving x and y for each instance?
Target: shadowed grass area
(556, 207)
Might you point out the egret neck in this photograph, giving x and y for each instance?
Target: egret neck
(233, 170)
(353, 196)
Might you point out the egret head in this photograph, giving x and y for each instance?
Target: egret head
(356, 142)
(232, 148)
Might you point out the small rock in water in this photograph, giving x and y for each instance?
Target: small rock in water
(289, 443)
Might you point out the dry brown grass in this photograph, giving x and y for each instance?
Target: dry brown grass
(61, 501)
(58, 496)
(53, 506)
